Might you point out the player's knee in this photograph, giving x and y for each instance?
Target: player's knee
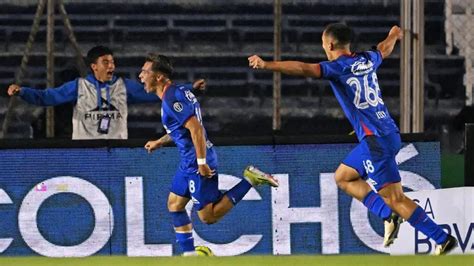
(343, 176)
(174, 206)
(207, 219)
(206, 215)
(341, 182)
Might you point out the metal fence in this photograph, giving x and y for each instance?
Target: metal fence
(459, 38)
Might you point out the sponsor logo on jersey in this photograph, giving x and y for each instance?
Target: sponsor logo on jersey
(362, 67)
(190, 96)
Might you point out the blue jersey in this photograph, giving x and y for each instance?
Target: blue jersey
(179, 104)
(354, 82)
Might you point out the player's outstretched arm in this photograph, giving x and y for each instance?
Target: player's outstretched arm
(152, 145)
(386, 46)
(294, 68)
(199, 141)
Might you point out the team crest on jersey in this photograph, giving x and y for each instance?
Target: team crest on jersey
(178, 107)
(362, 67)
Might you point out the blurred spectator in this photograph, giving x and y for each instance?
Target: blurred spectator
(100, 99)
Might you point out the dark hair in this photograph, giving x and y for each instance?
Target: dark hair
(97, 51)
(160, 63)
(341, 32)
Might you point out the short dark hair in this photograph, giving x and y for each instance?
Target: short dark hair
(97, 51)
(160, 63)
(341, 32)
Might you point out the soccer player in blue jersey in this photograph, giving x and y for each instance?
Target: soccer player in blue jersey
(196, 178)
(354, 82)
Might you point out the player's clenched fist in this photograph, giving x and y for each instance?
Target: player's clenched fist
(13, 90)
(256, 62)
(150, 146)
(199, 84)
(395, 30)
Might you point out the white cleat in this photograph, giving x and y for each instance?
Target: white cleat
(391, 228)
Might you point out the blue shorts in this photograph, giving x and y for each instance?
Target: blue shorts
(374, 158)
(201, 190)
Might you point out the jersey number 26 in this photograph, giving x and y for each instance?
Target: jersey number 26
(370, 95)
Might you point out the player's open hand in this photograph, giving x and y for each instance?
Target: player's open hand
(13, 89)
(199, 84)
(256, 62)
(397, 31)
(152, 145)
(205, 170)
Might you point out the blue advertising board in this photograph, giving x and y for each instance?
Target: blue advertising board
(77, 202)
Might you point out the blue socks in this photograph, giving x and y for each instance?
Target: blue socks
(180, 218)
(421, 222)
(236, 193)
(184, 239)
(376, 205)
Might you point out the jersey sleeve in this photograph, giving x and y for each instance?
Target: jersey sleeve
(188, 86)
(180, 107)
(329, 70)
(51, 96)
(376, 57)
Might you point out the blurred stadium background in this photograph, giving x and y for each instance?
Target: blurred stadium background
(211, 39)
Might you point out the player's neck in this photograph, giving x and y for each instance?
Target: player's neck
(342, 52)
(162, 88)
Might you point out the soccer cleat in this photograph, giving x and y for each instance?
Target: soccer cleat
(203, 251)
(391, 228)
(448, 245)
(257, 177)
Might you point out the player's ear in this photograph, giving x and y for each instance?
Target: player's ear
(158, 77)
(93, 66)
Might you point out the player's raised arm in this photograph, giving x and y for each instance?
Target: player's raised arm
(294, 68)
(386, 46)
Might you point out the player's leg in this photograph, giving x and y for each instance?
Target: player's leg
(349, 178)
(349, 175)
(178, 198)
(182, 223)
(217, 205)
(394, 197)
(212, 204)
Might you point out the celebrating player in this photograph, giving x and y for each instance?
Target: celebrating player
(353, 79)
(197, 177)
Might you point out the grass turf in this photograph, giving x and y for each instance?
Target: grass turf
(352, 260)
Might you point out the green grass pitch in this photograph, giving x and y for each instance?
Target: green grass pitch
(326, 260)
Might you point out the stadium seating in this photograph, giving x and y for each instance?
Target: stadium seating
(213, 42)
